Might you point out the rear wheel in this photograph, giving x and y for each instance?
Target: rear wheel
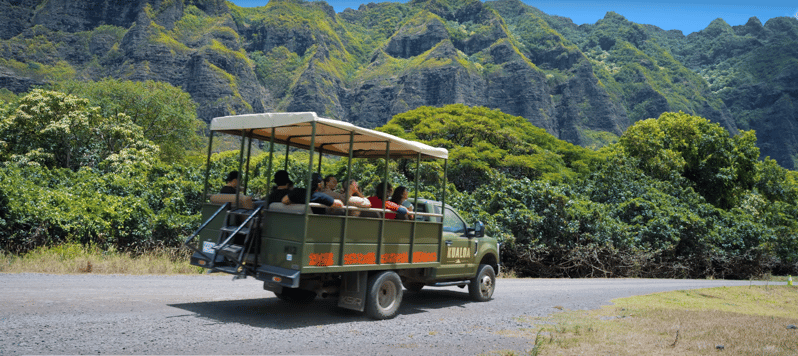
(482, 286)
(384, 295)
(296, 295)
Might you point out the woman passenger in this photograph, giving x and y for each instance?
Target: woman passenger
(355, 198)
(376, 200)
(399, 197)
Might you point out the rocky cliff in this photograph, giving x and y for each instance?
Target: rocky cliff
(584, 84)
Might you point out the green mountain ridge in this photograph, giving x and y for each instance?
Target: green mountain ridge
(583, 84)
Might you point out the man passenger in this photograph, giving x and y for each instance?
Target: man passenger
(282, 187)
(231, 183)
(297, 196)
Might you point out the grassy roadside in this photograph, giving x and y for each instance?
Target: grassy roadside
(752, 320)
(76, 258)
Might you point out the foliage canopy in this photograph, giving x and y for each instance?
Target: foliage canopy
(166, 114)
(480, 140)
(56, 130)
(677, 196)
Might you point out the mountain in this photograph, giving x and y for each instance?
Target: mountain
(583, 84)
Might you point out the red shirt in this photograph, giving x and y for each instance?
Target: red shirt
(376, 203)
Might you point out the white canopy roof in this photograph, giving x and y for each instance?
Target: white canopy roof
(332, 136)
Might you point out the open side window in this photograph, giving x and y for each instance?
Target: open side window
(452, 222)
(421, 208)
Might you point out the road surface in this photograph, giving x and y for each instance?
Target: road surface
(121, 314)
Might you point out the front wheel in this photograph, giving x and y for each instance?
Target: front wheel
(384, 295)
(482, 286)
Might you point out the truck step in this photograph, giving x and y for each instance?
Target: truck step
(231, 251)
(240, 212)
(230, 229)
(225, 269)
(447, 284)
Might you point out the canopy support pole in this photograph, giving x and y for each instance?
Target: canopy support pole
(208, 166)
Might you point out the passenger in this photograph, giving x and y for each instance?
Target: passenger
(376, 201)
(297, 196)
(330, 183)
(356, 198)
(232, 183)
(283, 186)
(399, 196)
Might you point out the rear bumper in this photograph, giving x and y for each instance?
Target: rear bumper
(275, 278)
(200, 260)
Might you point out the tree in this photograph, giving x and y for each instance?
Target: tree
(57, 130)
(166, 114)
(721, 167)
(480, 139)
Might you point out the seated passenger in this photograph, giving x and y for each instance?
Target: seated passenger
(330, 183)
(282, 187)
(399, 197)
(377, 201)
(232, 183)
(355, 198)
(297, 196)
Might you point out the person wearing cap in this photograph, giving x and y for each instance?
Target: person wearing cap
(232, 183)
(282, 187)
(297, 196)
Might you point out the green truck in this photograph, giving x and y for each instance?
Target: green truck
(363, 261)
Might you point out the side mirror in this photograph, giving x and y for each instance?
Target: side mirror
(478, 230)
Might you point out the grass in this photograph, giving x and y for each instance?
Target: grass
(507, 273)
(749, 320)
(76, 259)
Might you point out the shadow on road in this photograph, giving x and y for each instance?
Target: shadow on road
(277, 314)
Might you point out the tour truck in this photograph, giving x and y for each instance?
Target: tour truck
(354, 254)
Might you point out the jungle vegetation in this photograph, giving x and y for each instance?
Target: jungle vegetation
(676, 196)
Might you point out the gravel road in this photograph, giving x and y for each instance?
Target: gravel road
(121, 314)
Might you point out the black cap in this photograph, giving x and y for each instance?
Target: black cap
(281, 178)
(315, 180)
(231, 176)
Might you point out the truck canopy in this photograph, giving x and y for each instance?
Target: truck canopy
(331, 136)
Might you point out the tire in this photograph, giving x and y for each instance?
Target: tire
(482, 286)
(384, 295)
(414, 286)
(296, 295)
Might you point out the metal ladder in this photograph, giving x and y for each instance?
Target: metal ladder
(236, 241)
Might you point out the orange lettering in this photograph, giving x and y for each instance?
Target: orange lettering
(360, 259)
(321, 259)
(394, 258)
(419, 256)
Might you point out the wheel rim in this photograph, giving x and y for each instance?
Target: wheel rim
(387, 295)
(486, 286)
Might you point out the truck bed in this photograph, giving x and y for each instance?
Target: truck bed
(337, 243)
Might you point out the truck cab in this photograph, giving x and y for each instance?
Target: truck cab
(365, 262)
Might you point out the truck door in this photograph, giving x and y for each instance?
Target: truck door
(457, 256)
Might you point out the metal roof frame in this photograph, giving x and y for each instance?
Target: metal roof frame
(295, 129)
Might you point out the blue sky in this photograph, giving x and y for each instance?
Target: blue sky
(688, 16)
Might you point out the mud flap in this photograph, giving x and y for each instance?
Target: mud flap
(353, 290)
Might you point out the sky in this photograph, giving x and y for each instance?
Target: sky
(685, 15)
